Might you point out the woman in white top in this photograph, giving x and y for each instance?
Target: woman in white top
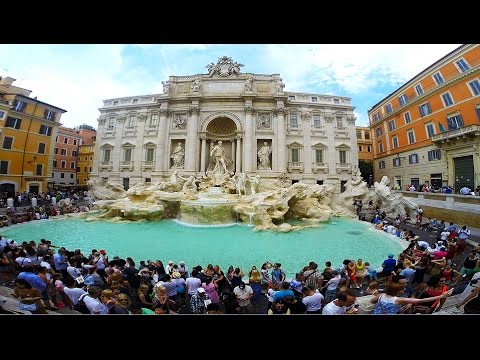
(312, 299)
(265, 272)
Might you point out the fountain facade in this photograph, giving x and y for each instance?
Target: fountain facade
(226, 122)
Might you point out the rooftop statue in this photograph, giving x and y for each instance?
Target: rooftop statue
(224, 67)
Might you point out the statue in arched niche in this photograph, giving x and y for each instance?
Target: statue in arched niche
(264, 157)
(178, 156)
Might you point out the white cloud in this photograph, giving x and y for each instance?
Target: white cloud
(354, 68)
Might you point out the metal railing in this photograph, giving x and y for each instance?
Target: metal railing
(466, 130)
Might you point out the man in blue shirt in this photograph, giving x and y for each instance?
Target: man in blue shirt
(389, 265)
(60, 262)
(36, 282)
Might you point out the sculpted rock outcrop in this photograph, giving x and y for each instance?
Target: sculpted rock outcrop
(393, 203)
(264, 203)
(101, 189)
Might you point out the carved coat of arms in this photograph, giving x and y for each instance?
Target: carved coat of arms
(224, 67)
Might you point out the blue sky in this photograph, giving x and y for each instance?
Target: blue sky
(79, 77)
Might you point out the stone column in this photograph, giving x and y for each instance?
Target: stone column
(248, 141)
(353, 136)
(203, 154)
(116, 154)
(138, 154)
(332, 151)
(238, 162)
(160, 156)
(209, 150)
(233, 151)
(96, 163)
(192, 138)
(307, 145)
(281, 139)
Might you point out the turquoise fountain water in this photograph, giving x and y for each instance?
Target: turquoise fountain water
(236, 245)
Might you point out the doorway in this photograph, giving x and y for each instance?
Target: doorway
(126, 184)
(436, 181)
(463, 172)
(7, 189)
(33, 188)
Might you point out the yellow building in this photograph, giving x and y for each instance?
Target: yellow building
(84, 163)
(28, 128)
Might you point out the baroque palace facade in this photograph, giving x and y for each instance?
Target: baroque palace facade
(428, 130)
(265, 131)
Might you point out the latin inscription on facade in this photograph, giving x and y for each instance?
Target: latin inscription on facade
(224, 87)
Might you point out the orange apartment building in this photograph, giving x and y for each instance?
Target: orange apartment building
(427, 131)
(86, 153)
(364, 143)
(365, 148)
(64, 173)
(28, 128)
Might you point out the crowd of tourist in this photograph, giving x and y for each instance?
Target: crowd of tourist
(31, 206)
(46, 277)
(445, 189)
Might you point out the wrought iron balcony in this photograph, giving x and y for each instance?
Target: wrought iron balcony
(463, 132)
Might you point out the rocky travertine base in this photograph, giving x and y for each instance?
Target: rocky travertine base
(267, 204)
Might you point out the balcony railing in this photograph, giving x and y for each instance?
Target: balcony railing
(148, 165)
(295, 165)
(344, 167)
(316, 166)
(106, 165)
(471, 130)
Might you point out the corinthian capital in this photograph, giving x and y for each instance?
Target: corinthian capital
(164, 112)
(351, 119)
(194, 110)
(279, 111)
(101, 120)
(329, 118)
(249, 110)
(306, 116)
